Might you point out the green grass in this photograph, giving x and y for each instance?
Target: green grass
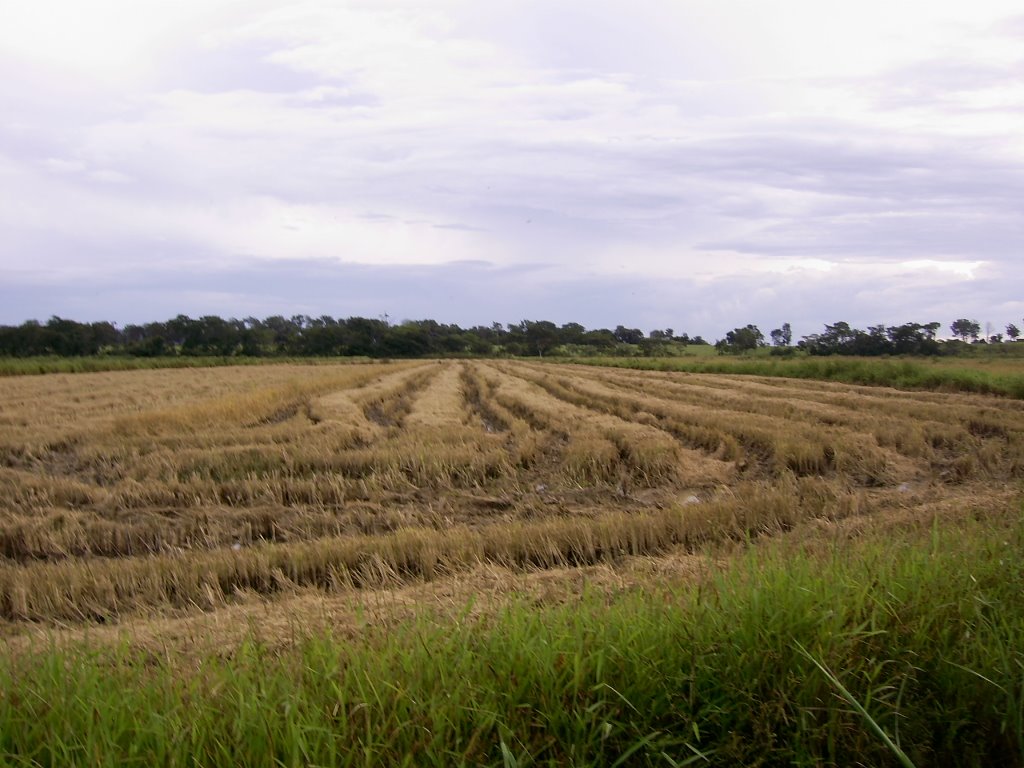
(944, 375)
(902, 650)
(27, 366)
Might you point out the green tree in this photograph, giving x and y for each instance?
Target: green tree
(913, 339)
(965, 329)
(1012, 331)
(572, 333)
(741, 340)
(628, 335)
(541, 335)
(782, 337)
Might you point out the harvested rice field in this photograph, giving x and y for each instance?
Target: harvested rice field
(131, 496)
(506, 563)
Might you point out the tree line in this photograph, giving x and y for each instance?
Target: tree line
(842, 339)
(325, 336)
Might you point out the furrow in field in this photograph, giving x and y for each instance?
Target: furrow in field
(65, 534)
(480, 401)
(753, 440)
(387, 401)
(963, 436)
(164, 492)
(106, 590)
(265, 446)
(433, 441)
(527, 442)
(439, 405)
(604, 448)
(847, 400)
(303, 461)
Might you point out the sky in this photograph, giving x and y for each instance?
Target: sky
(698, 164)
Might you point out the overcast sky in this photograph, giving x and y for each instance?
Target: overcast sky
(654, 163)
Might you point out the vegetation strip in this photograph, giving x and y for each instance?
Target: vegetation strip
(889, 651)
(325, 336)
(901, 374)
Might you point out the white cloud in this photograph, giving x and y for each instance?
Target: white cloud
(60, 165)
(719, 142)
(110, 177)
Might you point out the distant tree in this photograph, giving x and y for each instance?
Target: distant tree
(1012, 331)
(66, 337)
(661, 335)
(216, 336)
(478, 345)
(324, 336)
(781, 337)
(541, 335)
(572, 333)
(628, 335)
(600, 339)
(255, 339)
(104, 336)
(741, 340)
(965, 329)
(874, 342)
(841, 332)
(133, 334)
(913, 339)
(283, 333)
(837, 339)
(656, 344)
(360, 336)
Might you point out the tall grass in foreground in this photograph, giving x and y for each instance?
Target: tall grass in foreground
(901, 374)
(878, 653)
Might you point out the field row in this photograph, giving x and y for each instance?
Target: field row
(172, 490)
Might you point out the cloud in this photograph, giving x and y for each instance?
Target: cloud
(728, 158)
(478, 293)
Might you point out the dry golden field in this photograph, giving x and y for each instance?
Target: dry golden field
(154, 495)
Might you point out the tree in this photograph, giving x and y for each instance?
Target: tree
(913, 339)
(572, 333)
(600, 339)
(541, 335)
(741, 340)
(838, 338)
(965, 329)
(628, 335)
(781, 337)
(1012, 331)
